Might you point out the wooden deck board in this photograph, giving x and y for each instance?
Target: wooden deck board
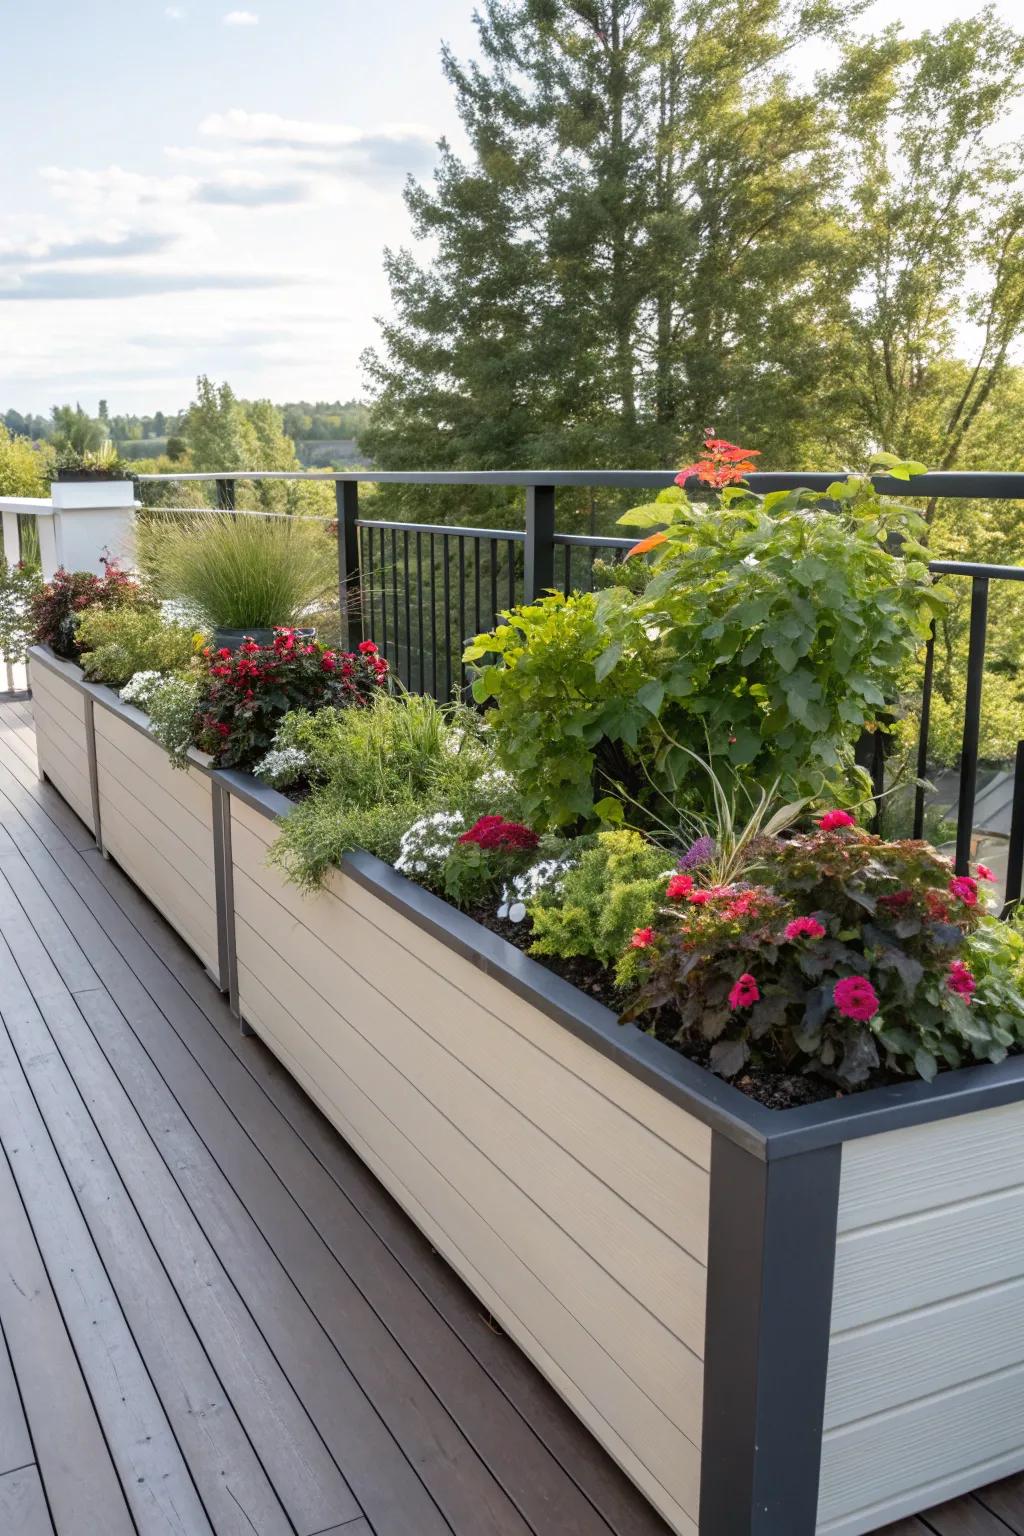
(294, 1358)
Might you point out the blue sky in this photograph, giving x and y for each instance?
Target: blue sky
(207, 186)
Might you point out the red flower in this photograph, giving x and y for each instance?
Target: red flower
(745, 993)
(964, 889)
(804, 928)
(701, 898)
(328, 661)
(984, 873)
(725, 463)
(961, 981)
(894, 901)
(679, 886)
(224, 653)
(495, 832)
(367, 648)
(938, 906)
(855, 998)
(642, 938)
(832, 820)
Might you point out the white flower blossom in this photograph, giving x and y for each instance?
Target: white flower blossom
(140, 688)
(281, 766)
(523, 888)
(425, 845)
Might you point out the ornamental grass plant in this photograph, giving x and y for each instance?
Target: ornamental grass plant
(244, 571)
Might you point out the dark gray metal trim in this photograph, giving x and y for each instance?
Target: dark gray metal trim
(771, 1256)
(227, 974)
(94, 777)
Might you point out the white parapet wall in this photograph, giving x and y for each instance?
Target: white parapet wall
(81, 523)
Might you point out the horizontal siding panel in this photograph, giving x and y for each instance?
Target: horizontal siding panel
(898, 1267)
(651, 1109)
(58, 763)
(879, 1367)
(188, 788)
(661, 1460)
(177, 900)
(869, 1462)
(119, 776)
(925, 1496)
(975, 1155)
(671, 1191)
(455, 1116)
(58, 697)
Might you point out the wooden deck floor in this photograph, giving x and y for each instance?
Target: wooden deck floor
(212, 1318)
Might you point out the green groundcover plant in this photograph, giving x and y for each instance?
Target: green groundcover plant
(769, 633)
(117, 643)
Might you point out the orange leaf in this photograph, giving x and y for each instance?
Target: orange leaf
(651, 542)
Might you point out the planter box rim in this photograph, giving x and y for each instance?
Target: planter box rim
(767, 1133)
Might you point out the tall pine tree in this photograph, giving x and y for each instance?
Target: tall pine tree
(634, 249)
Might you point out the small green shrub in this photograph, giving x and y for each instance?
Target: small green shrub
(173, 710)
(20, 584)
(995, 957)
(616, 887)
(118, 642)
(58, 606)
(244, 572)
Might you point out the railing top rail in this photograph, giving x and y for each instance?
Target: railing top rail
(451, 530)
(990, 485)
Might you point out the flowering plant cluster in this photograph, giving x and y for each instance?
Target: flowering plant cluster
(485, 857)
(244, 693)
(847, 954)
(58, 605)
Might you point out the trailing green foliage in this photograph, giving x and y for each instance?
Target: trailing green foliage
(116, 643)
(375, 771)
(245, 572)
(615, 887)
(19, 586)
(173, 714)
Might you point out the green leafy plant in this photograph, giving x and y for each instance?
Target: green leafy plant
(612, 889)
(849, 954)
(116, 643)
(242, 572)
(374, 772)
(485, 857)
(20, 585)
(173, 711)
(59, 605)
(102, 463)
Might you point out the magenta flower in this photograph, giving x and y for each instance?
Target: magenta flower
(961, 981)
(966, 889)
(832, 820)
(745, 993)
(804, 928)
(855, 998)
(984, 873)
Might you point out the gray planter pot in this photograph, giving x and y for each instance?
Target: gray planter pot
(231, 639)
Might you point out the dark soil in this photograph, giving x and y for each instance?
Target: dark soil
(776, 1089)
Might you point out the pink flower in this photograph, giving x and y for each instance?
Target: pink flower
(804, 928)
(745, 993)
(699, 898)
(855, 998)
(642, 938)
(367, 648)
(966, 889)
(832, 820)
(984, 873)
(679, 886)
(961, 981)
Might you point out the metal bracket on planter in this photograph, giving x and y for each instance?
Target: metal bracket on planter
(94, 777)
(224, 881)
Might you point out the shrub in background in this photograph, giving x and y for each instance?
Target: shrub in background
(60, 604)
(238, 572)
(117, 643)
(20, 585)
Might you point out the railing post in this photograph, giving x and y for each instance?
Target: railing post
(972, 721)
(226, 495)
(350, 590)
(539, 552)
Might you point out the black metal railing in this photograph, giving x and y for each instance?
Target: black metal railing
(421, 589)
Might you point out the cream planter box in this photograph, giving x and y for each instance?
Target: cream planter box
(806, 1323)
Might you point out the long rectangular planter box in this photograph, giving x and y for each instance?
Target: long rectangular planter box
(806, 1323)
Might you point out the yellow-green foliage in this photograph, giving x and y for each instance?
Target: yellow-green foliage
(122, 641)
(616, 887)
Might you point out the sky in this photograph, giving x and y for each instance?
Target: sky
(204, 187)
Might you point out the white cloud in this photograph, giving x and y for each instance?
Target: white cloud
(241, 19)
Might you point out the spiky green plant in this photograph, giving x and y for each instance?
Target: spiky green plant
(246, 571)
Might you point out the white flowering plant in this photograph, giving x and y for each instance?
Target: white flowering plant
(141, 686)
(282, 766)
(426, 845)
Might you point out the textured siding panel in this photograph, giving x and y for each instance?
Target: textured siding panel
(59, 713)
(926, 1366)
(501, 1152)
(163, 840)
